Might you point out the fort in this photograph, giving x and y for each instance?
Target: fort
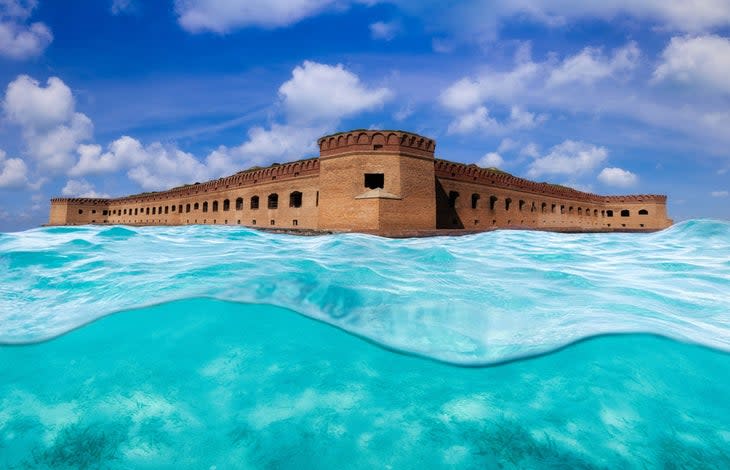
(382, 182)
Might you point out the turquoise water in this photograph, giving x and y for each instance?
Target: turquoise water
(487, 351)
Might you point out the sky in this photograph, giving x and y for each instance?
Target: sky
(103, 98)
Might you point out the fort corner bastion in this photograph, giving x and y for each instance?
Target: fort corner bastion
(374, 181)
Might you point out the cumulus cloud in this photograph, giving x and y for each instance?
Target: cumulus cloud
(720, 194)
(81, 188)
(322, 92)
(222, 16)
(568, 158)
(617, 177)
(470, 92)
(18, 39)
(46, 115)
(480, 120)
(590, 65)
(13, 172)
(384, 30)
(702, 61)
(491, 160)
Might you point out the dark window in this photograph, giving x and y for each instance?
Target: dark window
(167, 209)
(562, 209)
(453, 196)
(187, 207)
(239, 204)
(254, 203)
(474, 200)
(273, 201)
(147, 209)
(205, 206)
(93, 211)
(215, 206)
(273, 222)
(316, 202)
(81, 211)
(295, 222)
(153, 210)
(522, 205)
(543, 208)
(374, 180)
(180, 208)
(226, 205)
(295, 199)
(159, 211)
(553, 207)
(196, 206)
(507, 203)
(492, 202)
(580, 211)
(643, 212)
(105, 213)
(625, 213)
(609, 214)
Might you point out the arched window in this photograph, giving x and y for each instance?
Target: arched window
(147, 211)
(187, 207)
(570, 210)
(205, 206)
(215, 206)
(521, 205)
(196, 206)
(453, 196)
(643, 212)
(135, 211)
(543, 207)
(625, 213)
(474, 200)
(507, 203)
(553, 208)
(609, 213)
(595, 212)
(226, 205)
(153, 210)
(254, 202)
(562, 209)
(273, 201)
(167, 209)
(239, 204)
(492, 202)
(295, 199)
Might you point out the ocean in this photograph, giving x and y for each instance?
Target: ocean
(222, 347)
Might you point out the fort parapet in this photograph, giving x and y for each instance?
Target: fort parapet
(382, 182)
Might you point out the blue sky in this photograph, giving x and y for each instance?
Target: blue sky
(111, 97)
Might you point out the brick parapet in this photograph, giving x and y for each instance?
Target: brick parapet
(473, 173)
(380, 140)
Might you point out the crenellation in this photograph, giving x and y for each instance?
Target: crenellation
(375, 181)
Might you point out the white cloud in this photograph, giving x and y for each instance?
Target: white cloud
(617, 177)
(702, 61)
(530, 150)
(590, 65)
(222, 16)
(13, 172)
(720, 193)
(122, 6)
(568, 158)
(480, 120)
(321, 92)
(506, 145)
(491, 160)
(81, 188)
(384, 30)
(19, 40)
(470, 92)
(479, 20)
(50, 126)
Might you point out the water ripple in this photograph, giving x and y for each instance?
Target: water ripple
(473, 299)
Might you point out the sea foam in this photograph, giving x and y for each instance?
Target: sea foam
(476, 299)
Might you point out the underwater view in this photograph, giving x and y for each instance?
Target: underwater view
(223, 347)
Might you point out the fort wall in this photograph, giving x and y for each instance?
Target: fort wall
(385, 182)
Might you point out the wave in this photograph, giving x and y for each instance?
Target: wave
(476, 299)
